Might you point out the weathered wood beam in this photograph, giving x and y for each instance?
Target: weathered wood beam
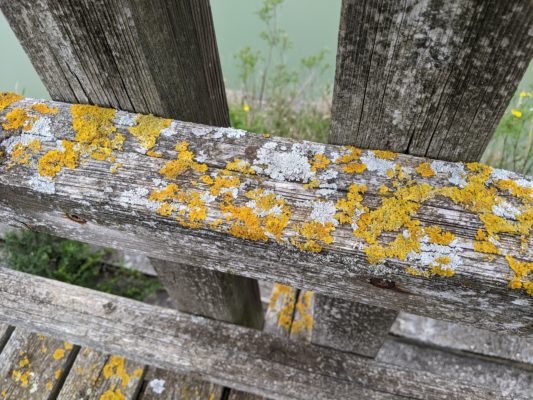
(427, 77)
(104, 53)
(238, 357)
(449, 238)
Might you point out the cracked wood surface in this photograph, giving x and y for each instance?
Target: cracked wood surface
(238, 357)
(97, 204)
(428, 77)
(102, 53)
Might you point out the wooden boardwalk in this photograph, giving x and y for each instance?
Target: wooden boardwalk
(39, 367)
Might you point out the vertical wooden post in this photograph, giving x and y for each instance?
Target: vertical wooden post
(423, 77)
(156, 57)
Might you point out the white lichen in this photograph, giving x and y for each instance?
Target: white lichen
(455, 171)
(323, 212)
(200, 131)
(42, 184)
(430, 252)
(123, 118)
(232, 133)
(171, 130)
(138, 197)
(506, 210)
(157, 386)
(290, 165)
(378, 165)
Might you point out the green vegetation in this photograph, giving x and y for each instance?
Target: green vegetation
(512, 145)
(74, 262)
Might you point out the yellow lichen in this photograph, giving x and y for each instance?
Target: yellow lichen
(285, 296)
(42, 108)
(53, 161)
(116, 367)
(313, 184)
(315, 234)
(387, 155)
(320, 161)
(18, 118)
(304, 317)
(7, 98)
(347, 207)
(354, 168)
(241, 166)
(155, 154)
(417, 272)
(112, 395)
(383, 189)
(350, 157)
(21, 153)
(425, 170)
(148, 129)
(521, 269)
(206, 179)
(95, 132)
(58, 354)
(183, 162)
(437, 236)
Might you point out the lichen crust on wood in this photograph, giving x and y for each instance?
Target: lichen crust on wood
(371, 213)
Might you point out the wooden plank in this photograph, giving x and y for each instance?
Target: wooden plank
(281, 309)
(34, 366)
(511, 379)
(102, 53)
(5, 334)
(118, 213)
(350, 326)
(238, 395)
(464, 338)
(99, 376)
(239, 357)
(304, 322)
(421, 76)
(165, 385)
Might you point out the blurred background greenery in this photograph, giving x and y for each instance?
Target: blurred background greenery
(278, 67)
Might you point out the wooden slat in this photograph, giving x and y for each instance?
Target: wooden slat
(238, 395)
(166, 385)
(95, 376)
(511, 379)
(34, 366)
(5, 334)
(427, 77)
(464, 338)
(281, 309)
(103, 53)
(118, 213)
(239, 357)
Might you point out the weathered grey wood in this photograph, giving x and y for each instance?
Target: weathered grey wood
(118, 213)
(238, 395)
(239, 357)
(34, 366)
(511, 379)
(463, 338)
(165, 385)
(304, 321)
(350, 326)
(159, 57)
(212, 293)
(428, 77)
(104, 53)
(5, 334)
(95, 375)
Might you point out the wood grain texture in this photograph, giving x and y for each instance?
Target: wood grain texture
(104, 52)
(350, 326)
(95, 376)
(158, 57)
(34, 366)
(165, 385)
(427, 77)
(242, 358)
(463, 338)
(117, 213)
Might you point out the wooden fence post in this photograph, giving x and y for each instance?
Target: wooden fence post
(422, 77)
(156, 57)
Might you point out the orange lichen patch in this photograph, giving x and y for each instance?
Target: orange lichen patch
(166, 209)
(439, 266)
(387, 155)
(495, 225)
(21, 153)
(425, 170)
(42, 108)
(347, 207)
(18, 118)
(206, 179)
(148, 129)
(183, 162)
(284, 295)
(394, 214)
(7, 98)
(192, 203)
(315, 234)
(485, 246)
(196, 209)
(516, 190)
(155, 154)
(352, 155)
(313, 184)
(241, 166)
(22, 375)
(116, 368)
(437, 236)
(58, 354)
(304, 317)
(522, 270)
(417, 272)
(320, 161)
(95, 131)
(57, 374)
(113, 395)
(224, 182)
(267, 215)
(49, 385)
(53, 161)
(383, 189)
